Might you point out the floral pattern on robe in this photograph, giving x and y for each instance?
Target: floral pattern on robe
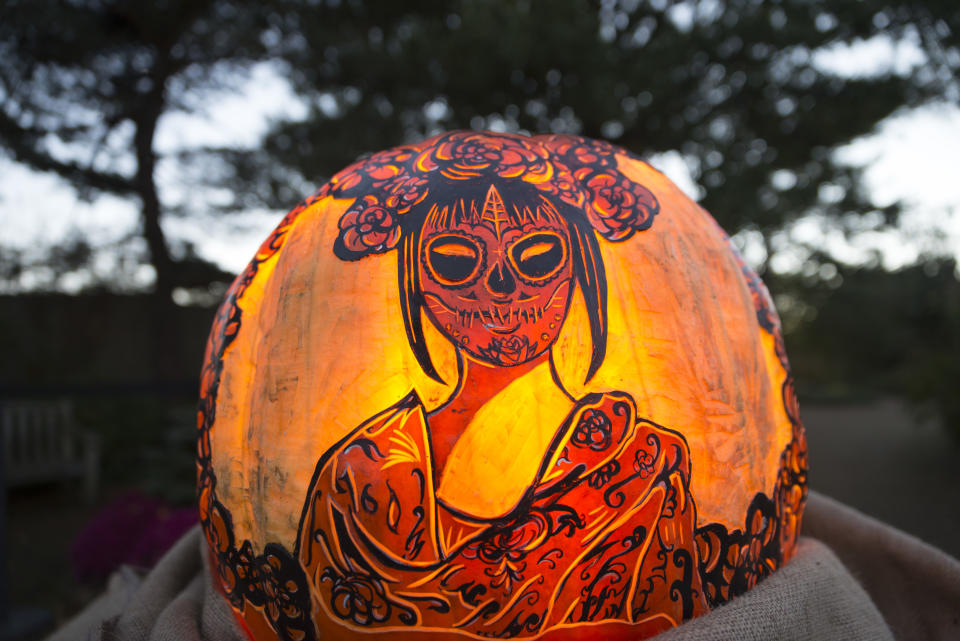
(605, 532)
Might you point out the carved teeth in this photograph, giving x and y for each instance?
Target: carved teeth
(500, 316)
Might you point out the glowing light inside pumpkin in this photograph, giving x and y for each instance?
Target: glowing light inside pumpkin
(496, 385)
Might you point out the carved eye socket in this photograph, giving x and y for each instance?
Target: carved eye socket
(538, 256)
(452, 260)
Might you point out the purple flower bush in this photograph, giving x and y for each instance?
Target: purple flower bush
(133, 529)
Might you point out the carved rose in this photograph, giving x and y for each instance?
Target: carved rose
(404, 192)
(248, 573)
(372, 172)
(368, 227)
(577, 152)
(285, 593)
(643, 463)
(599, 478)
(594, 430)
(357, 597)
(509, 351)
(465, 155)
(617, 206)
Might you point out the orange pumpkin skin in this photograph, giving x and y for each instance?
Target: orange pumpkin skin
(496, 385)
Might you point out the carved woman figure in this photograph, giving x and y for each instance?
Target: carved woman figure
(514, 508)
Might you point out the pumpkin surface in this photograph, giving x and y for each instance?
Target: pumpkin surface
(491, 385)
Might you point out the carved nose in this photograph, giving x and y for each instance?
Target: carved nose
(501, 281)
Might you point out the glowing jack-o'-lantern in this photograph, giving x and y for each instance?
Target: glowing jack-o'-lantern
(496, 385)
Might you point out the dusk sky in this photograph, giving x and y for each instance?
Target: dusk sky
(911, 158)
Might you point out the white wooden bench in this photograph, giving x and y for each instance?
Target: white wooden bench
(43, 444)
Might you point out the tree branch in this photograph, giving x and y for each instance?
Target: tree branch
(22, 144)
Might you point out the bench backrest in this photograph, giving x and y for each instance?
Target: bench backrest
(40, 440)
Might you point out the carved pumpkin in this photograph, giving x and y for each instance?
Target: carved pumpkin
(496, 385)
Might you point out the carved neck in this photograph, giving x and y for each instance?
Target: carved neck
(481, 382)
(499, 444)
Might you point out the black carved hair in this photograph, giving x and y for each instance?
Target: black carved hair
(394, 189)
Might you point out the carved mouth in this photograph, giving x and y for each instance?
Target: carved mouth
(500, 320)
(497, 318)
(501, 329)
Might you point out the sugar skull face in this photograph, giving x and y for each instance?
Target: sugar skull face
(496, 284)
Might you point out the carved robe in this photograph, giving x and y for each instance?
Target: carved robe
(605, 533)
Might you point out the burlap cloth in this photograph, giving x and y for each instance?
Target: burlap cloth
(852, 578)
